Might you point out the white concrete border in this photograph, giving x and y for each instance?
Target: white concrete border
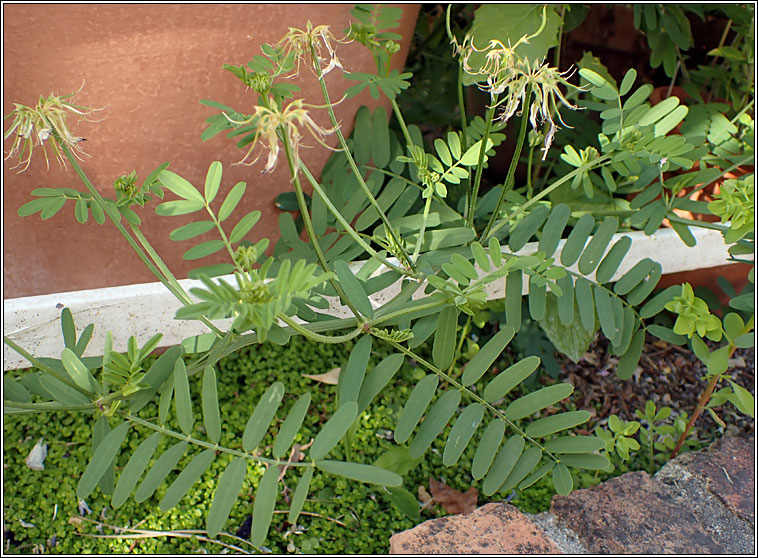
(145, 309)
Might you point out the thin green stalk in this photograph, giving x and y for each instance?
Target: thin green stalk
(482, 150)
(331, 339)
(510, 177)
(354, 167)
(346, 226)
(401, 121)
(309, 227)
(452, 381)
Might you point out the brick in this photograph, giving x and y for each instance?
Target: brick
(632, 514)
(727, 468)
(496, 528)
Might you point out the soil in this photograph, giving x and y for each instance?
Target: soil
(667, 374)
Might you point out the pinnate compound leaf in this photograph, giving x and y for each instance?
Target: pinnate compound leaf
(361, 472)
(333, 431)
(188, 477)
(264, 412)
(537, 400)
(461, 433)
(487, 448)
(482, 360)
(263, 509)
(415, 407)
(160, 470)
(228, 489)
(436, 420)
(134, 468)
(98, 465)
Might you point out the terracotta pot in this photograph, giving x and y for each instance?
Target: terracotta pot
(148, 66)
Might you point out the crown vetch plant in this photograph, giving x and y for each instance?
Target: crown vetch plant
(384, 200)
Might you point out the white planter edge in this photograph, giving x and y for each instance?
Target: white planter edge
(145, 309)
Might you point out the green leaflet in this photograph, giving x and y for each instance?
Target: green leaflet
(461, 432)
(213, 181)
(525, 464)
(298, 498)
(61, 392)
(232, 199)
(380, 138)
(186, 479)
(361, 472)
(562, 480)
(605, 313)
(69, 328)
(353, 289)
(592, 461)
(528, 227)
(405, 502)
(435, 421)
(377, 379)
(572, 339)
(565, 303)
(351, 376)
(180, 186)
(333, 431)
(509, 378)
(290, 426)
(537, 400)
(443, 349)
(182, 399)
(537, 475)
(596, 247)
(226, 494)
(555, 423)
(574, 444)
(415, 407)
(134, 468)
(628, 361)
(513, 292)
(264, 412)
(158, 373)
(482, 360)
(632, 277)
(211, 412)
(14, 391)
(263, 508)
(585, 303)
(613, 259)
(577, 239)
(161, 468)
(98, 466)
(537, 298)
(203, 249)
(362, 135)
(79, 372)
(243, 226)
(100, 431)
(553, 229)
(487, 448)
(504, 463)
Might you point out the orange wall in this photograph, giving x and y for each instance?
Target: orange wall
(148, 66)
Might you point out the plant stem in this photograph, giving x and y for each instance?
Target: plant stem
(332, 339)
(482, 150)
(510, 177)
(351, 161)
(701, 403)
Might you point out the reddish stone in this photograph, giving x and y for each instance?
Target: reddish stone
(632, 514)
(728, 471)
(495, 528)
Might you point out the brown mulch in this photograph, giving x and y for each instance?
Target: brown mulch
(668, 375)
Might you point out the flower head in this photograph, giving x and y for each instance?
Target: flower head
(290, 121)
(42, 125)
(303, 44)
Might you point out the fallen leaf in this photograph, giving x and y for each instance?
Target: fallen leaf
(452, 500)
(426, 499)
(36, 458)
(330, 377)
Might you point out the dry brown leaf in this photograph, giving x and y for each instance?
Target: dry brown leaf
(452, 500)
(330, 377)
